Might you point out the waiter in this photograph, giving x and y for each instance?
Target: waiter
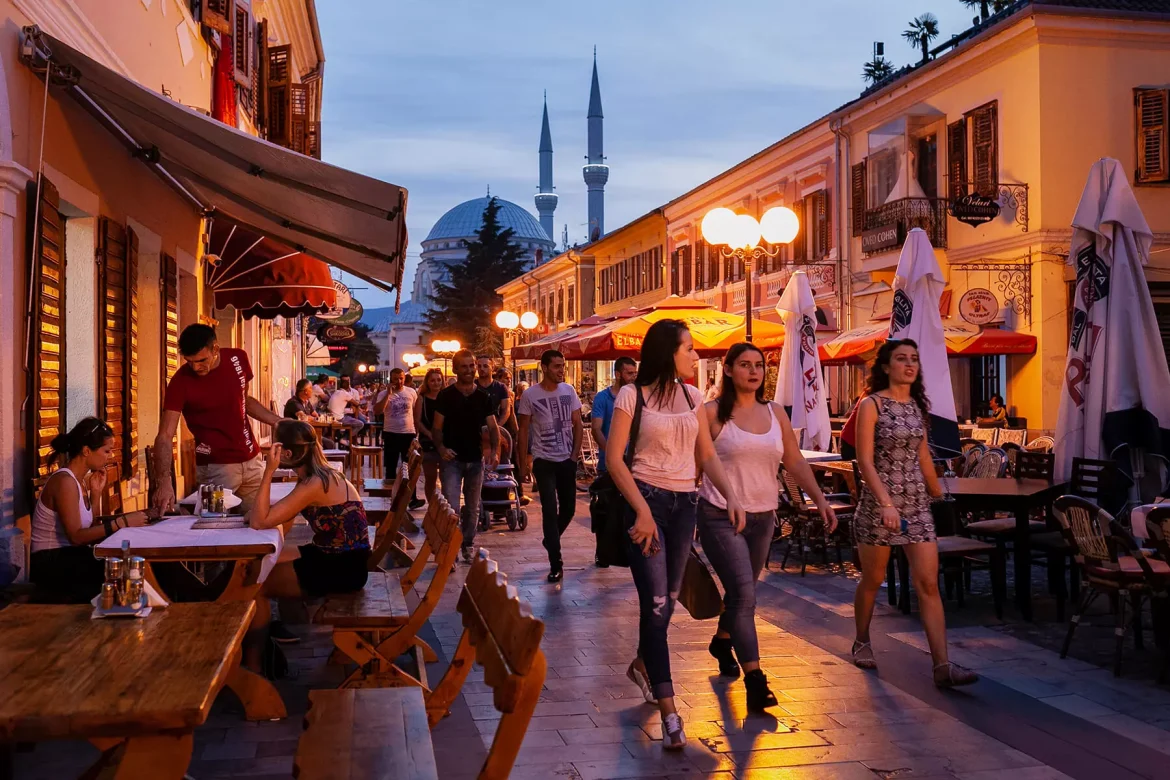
(211, 393)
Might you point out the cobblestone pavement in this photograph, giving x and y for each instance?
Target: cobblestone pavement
(1032, 717)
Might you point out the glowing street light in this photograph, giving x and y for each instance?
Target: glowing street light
(445, 348)
(513, 324)
(740, 234)
(363, 368)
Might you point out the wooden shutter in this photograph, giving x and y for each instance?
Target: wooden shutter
(299, 118)
(243, 43)
(46, 385)
(957, 159)
(802, 232)
(824, 235)
(1150, 121)
(217, 14)
(130, 366)
(674, 272)
(115, 247)
(260, 77)
(279, 112)
(684, 256)
(561, 304)
(169, 300)
(713, 277)
(984, 153)
(572, 310)
(857, 197)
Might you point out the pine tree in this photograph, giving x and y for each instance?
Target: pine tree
(467, 305)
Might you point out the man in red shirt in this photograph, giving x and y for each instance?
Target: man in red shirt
(211, 393)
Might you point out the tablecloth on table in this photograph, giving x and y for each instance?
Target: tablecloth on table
(177, 532)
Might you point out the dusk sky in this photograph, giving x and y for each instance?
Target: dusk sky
(444, 97)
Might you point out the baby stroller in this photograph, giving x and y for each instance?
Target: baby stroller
(500, 500)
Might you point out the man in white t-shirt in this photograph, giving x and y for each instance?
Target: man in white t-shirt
(396, 405)
(551, 431)
(344, 405)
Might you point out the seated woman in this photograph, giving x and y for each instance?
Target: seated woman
(63, 527)
(336, 560)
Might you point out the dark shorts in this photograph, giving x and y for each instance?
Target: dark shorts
(320, 573)
(67, 575)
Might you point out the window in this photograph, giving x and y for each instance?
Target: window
(986, 380)
(973, 153)
(1150, 107)
(927, 165)
(818, 213)
(684, 254)
(674, 275)
(561, 305)
(881, 173)
(857, 198)
(572, 311)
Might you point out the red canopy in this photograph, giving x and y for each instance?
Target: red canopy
(861, 344)
(264, 278)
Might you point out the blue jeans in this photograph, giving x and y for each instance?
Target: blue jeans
(466, 479)
(738, 560)
(658, 578)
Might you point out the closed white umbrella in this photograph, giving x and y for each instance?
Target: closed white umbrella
(800, 386)
(918, 286)
(1115, 388)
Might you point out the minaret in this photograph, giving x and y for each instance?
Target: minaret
(546, 199)
(595, 171)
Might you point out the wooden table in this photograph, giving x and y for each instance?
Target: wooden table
(812, 456)
(1020, 497)
(135, 688)
(382, 488)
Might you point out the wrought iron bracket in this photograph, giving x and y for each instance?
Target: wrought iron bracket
(1009, 195)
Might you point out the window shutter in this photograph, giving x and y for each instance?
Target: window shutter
(857, 197)
(217, 14)
(957, 159)
(713, 277)
(113, 330)
(674, 272)
(798, 243)
(260, 77)
(561, 304)
(299, 117)
(169, 283)
(1150, 107)
(279, 111)
(572, 312)
(685, 257)
(130, 383)
(984, 156)
(47, 335)
(243, 43)
(824, 226)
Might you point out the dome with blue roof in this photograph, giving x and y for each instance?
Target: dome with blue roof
(465, 220)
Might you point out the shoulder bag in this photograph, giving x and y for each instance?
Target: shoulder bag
(699, 595)
(613, 541)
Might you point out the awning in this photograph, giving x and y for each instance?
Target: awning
(263, 278)
(861, 344)
(344, 218)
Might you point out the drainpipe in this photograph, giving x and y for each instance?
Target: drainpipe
(844, 236)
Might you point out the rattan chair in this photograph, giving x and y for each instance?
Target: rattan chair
(807, 529)
(1040, 444)
(1017, 436)
(992, 464)
(985, 436)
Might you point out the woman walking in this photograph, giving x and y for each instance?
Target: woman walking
(657, 480)
(752, 438)
(899, 482)
(424, 421)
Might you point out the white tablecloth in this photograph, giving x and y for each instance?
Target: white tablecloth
(177, 532)
(812, 456)
(1137, 519)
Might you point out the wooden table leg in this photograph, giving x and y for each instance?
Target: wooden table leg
(260, 698)
(244, 582)
(1023, 563)
(150, 578)
(165, 757)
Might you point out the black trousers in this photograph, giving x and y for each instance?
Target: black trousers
(556, 482)
(395, 449)
(67, 575)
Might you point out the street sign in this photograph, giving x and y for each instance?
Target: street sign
(974, 209)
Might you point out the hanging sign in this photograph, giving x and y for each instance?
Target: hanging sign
(881, 237)
(978, 306)
(351, 315)
(336, 334)
(974, 209)
(344, 301)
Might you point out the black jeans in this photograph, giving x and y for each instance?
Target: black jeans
(556, 482)
(395, 448)
(67, 575)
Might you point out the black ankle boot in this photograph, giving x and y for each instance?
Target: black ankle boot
(759, 696)
(721, 650)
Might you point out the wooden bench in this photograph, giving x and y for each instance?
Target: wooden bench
(368, 627)
(379, 734)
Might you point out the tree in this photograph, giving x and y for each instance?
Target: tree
(879, 69)
(921, 32)
(468, 303)
(986, 7)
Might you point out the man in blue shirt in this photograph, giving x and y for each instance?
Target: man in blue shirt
(625, 370)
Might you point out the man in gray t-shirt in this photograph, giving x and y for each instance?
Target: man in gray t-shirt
(551, 430)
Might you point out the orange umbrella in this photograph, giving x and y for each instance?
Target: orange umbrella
(713, 331)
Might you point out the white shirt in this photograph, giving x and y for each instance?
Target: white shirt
(664, 455)
(399, 415)
(339, 402)
(550, 424)
(48, 532)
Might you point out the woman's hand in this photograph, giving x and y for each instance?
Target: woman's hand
(828, 516)
(272, 459)
(136, 519)
(736, 515)
(96, 482)
(891, 518)
(645, 531)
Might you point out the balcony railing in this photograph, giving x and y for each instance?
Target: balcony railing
(930, 214)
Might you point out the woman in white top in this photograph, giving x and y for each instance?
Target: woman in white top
(658, 482)
(63, 526)
(752, 438)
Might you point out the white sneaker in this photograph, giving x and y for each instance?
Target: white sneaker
(639, 678)
(673, 737)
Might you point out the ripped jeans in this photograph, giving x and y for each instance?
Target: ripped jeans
(658, 578)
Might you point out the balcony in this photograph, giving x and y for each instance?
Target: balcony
(903, 215)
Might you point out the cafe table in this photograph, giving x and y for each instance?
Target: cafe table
(813, 456)
(136, 688)
(1019, 497)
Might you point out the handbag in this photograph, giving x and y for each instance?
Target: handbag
(613, 541)
(699, 594)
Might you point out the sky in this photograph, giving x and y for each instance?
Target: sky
(443, 97)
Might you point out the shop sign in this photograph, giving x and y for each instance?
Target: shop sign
(351, 315)
(879, 238)
(336, 334)
(978, 306)
(344, 300)
(974, 209)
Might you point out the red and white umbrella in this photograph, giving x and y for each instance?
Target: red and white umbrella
(800, 385)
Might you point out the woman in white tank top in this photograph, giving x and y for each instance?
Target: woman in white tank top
(752, 438)
(63, 526)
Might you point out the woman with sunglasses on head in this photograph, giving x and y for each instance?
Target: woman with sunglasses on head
(63, 526)
(752, 438)
(899, 482)
(658, 483)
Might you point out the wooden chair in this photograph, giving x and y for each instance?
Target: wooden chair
(359, 456)
(1098, 481)
(499, 632)
(806, 521)
(389, 539)
(368, 626)
(1016, 436)
(1158, 530)
(1040, 444)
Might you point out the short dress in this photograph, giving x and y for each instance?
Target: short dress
(337, 559)
(896, 436)
(425, 443)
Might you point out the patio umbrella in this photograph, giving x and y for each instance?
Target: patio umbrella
(713, 331)
(860, 345)
(918, 285)
(1115, 377)
(799, 384)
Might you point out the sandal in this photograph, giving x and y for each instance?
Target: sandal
(955, 676)
(865, 661)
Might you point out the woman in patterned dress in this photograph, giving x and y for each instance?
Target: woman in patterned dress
(899, 483)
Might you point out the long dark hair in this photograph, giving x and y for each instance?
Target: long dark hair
(725, 403)
(656, 363)
(300, 442)
(90, 432)
(879, 376)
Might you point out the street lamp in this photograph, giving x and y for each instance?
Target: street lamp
(363, 368)
(513, 324)
(445, 348)
(740, 234)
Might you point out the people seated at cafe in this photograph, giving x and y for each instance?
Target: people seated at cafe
(998, 416)
(335, 561)
(345, 405)
(301, 407)
(64, 529)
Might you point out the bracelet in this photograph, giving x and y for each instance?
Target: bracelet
(106, 523)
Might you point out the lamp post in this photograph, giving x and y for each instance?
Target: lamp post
(445, 349)
(512, 324)
(739, 235)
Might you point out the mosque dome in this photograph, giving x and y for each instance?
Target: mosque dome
(465, 220)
